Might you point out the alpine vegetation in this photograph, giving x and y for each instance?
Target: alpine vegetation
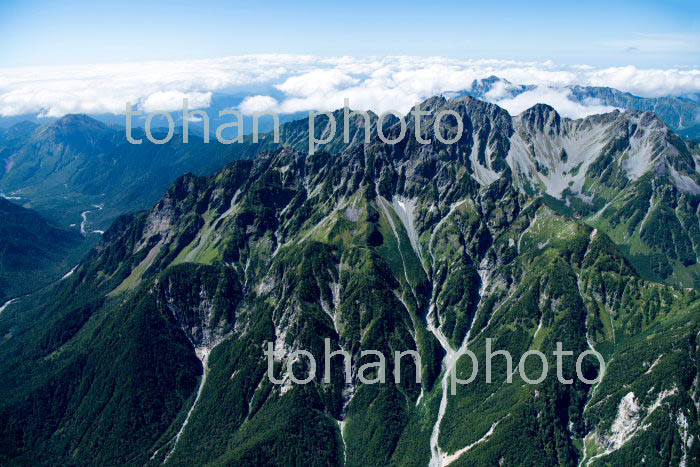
(524, 295)
(379, 366)
(347, 258)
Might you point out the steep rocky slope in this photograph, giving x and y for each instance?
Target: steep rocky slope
(152, 351)
(681, 113)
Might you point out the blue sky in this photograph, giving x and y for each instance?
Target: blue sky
(599, 33)
(78, 56)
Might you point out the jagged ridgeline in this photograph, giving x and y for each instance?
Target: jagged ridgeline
(152, 351)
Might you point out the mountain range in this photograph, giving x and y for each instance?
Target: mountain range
(529, 230)
(680, 113)
(76, 163)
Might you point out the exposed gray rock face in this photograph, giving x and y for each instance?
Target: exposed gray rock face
(681, 113)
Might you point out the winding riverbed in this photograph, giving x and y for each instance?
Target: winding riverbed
(84, 222)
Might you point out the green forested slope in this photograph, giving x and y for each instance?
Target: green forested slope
(33, 251)
(152, 351)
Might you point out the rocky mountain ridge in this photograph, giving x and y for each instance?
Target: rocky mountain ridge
(426, 247)
(681, 113)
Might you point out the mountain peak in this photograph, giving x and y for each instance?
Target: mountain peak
(489, 81)
(74, 129)
(406, 246)
(494, 79)
(540, 108)
(541, 116)
(74, 120)
(19, 130)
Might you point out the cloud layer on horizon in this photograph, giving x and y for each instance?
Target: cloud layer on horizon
(296, 83)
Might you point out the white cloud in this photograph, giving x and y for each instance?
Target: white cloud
(172, 100)
(316, 81)
(307, 82)
(55, 91)
(557, 98)
(652, 83)
(253, 104)
(498, 91)
(583, 67)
